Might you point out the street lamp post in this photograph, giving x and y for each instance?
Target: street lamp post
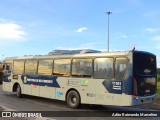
(108, 27)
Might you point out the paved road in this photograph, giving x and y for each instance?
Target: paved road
(29, 103)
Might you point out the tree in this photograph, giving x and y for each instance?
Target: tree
(158, 74)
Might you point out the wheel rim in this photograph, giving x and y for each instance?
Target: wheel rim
(73, 99)
(18, 91)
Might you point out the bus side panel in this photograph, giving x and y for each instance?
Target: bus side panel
(42, 91)
(6, 86)
(84, 86)
(116, 92)
(114, 99)
(87, 90)
(43, 86)
(47, 92)
(60, 93)
(105, 96)
(35, 90)
(27, 89)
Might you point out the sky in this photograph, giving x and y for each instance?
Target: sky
(37, 27)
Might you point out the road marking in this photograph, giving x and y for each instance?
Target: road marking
(7, 109)
(44, 118)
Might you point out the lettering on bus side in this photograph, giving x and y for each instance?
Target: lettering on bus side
(116, 85)
(40, 80)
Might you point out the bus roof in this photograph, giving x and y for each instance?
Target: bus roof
(81, 55)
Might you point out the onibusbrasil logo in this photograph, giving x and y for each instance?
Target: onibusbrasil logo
(84, 82)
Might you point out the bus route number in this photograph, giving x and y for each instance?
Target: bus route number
(116, 86)
(116, 83)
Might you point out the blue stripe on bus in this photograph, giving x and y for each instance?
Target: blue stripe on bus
(119, 86)
(128, 85)
(113, 86)
(50, 81)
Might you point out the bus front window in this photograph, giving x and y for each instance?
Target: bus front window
(144, 70)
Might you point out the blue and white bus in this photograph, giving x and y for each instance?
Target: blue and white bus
(105, 78)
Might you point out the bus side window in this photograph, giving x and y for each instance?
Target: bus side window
(103, 68)
(62, 67)
(6, 70)
(82, 67)
(31, 67)
(18, 66)
(45, 67)
(120, 68)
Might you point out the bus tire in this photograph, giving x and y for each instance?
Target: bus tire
(18, 92)
(73, 99)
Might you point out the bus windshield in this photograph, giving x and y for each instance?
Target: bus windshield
(144, 63)
(144, 70)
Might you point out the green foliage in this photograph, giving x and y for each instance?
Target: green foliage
(158, 89)
(158, 74)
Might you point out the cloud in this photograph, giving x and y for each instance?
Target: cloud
(2, 20)
(151, 14)
(124, 36)
(82, 29)
(82, 46)
(88, 46)
(152, 30)
(158, 46)
(156, 38)
(120, 35)
(11, 32)
(93, 46)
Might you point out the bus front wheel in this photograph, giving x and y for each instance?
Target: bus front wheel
(73, 99)
(18, 92)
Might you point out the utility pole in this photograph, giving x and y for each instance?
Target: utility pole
(108, 13)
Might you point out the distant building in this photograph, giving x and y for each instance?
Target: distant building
(59, 52)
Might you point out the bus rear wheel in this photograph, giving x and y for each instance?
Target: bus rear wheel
(73, 99)
(18, 92)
